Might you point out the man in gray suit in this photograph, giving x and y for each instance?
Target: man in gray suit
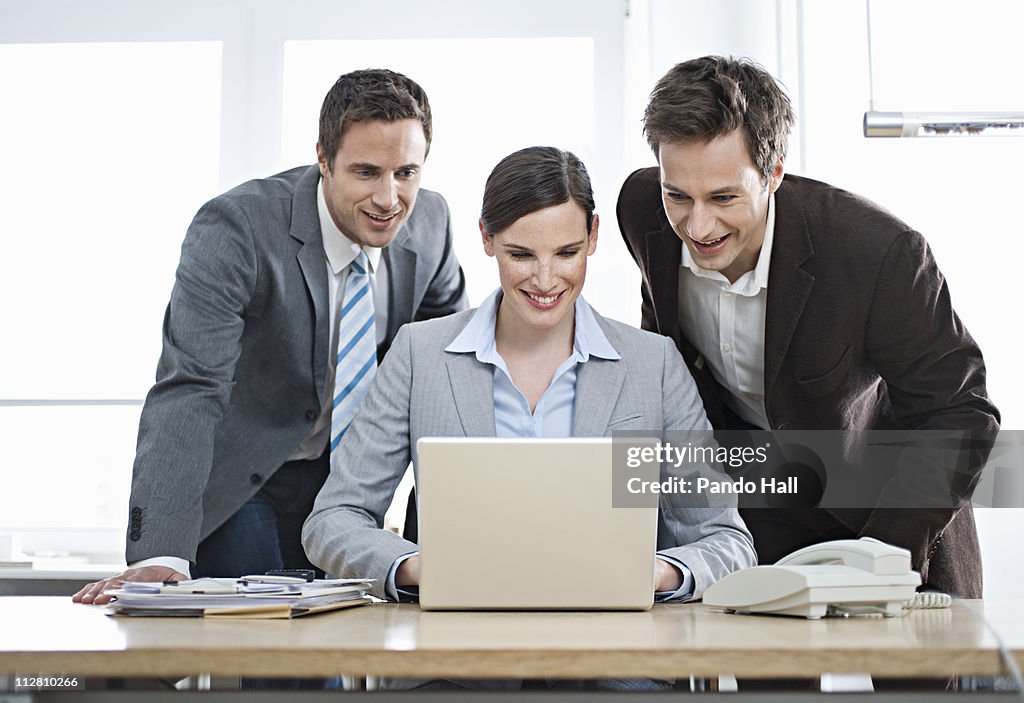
(260, 372)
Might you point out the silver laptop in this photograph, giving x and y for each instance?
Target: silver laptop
(528, 524)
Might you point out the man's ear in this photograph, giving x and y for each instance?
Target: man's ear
(775, 179)
(322, 162)
(592, 237)
(487, 239)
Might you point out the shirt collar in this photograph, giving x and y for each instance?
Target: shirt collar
(478, 335)
(341, 251)
(751, 282)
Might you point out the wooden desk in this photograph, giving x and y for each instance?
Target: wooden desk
(54, 636)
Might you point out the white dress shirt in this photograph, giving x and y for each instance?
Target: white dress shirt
(341, 251)
(725, 321)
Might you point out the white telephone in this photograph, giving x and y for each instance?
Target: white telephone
(832, 578)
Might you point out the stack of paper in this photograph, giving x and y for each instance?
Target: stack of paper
(249, 597)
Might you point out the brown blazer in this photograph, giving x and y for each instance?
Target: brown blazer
(860, 335)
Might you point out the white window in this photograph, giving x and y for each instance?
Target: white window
(108, 149)
(119, 122)
(488, 97)
(960, 192)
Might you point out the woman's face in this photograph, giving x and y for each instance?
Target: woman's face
(542, 263)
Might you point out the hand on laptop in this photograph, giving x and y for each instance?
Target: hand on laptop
(667, 577)
(408, 572)
(94, 592)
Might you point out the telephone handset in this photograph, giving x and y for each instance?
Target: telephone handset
(832, 578)
(865, 554)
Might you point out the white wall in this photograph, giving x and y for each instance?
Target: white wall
(961, 193)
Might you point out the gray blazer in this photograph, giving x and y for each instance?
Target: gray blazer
(241, 379)
(422, 391)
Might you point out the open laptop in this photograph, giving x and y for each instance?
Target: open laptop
(528, 524)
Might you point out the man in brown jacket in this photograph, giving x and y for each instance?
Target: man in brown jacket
(799, 306)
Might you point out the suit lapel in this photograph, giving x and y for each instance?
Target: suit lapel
(473, 388)
(789, 285)
(401, 259)
(305, 227)
(663, 259)
(401, 278)
(598, 385)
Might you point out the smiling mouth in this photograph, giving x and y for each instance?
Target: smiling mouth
(383, 219)
(543, 301)
(710, 244)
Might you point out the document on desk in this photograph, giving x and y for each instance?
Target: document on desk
(237, 598)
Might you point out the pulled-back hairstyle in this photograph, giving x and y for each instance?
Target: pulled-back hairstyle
(370, 94)
(709, 97)
(532, 179)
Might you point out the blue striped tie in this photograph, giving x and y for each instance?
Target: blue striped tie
(357, 350)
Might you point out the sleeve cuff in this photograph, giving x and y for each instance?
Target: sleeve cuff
(391, 590)
(177, 563)
(685, 591)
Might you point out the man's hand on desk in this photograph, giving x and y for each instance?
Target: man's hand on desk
(94, 592)
(666, 577)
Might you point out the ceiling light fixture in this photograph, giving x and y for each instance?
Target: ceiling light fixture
(934, 124)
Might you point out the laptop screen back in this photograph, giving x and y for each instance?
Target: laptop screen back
(509, 524)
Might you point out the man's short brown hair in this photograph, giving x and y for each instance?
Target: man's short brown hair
(709, 97)
(371, 94)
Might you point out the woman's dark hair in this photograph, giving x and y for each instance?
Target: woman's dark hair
(532, 179)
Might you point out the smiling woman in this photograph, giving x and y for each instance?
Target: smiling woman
(531, 361)
(542, 261)
(542, 258)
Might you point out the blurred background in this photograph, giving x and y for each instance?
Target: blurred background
(121, 117)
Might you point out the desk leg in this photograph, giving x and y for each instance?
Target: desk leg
(199, 682)
(846, 683)
(354, 683)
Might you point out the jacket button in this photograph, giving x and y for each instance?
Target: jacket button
(136, 511)
(255, 479)
(135, 535)
(311, 415)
